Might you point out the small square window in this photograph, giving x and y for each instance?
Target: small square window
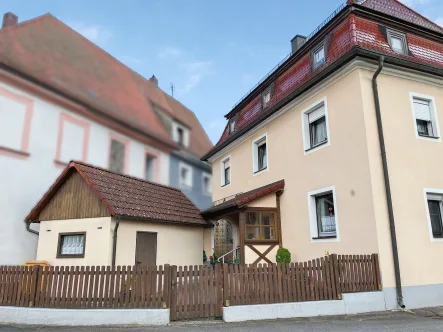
(261, 226)
(425, 117)
(71, 245)
(435, 209)
(207, 185)
(226, 172)
(260, 154)
(397, 41)
(319, 56)
(185, 174)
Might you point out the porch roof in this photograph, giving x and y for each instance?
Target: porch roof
(241, 199)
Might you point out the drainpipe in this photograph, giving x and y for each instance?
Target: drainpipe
(114, 245)
(29, 229)
(387, 183)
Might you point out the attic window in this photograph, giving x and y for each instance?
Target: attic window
(232, 123)
(319, 56)
(397, 41)
(267, 95)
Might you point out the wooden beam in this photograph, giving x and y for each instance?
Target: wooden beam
(262, 255)
(280, 237)
(241, 226)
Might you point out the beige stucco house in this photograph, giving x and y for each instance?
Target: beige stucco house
(339, 150)
(91, 216)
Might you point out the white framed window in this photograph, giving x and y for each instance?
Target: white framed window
(180, 134)
(260, 154)
(424, 113)
(322, 205)
(266, 96)
(397, 41)
(434, 213)
(225, 171)
(117, 156)
(315, 126)
(185, 175)
(206, 184)
(319, 56)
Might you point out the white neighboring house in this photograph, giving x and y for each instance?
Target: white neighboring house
(53, 110)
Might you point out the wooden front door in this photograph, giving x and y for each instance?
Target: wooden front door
(146, 249)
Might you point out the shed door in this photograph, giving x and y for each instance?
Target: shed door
(146, 249)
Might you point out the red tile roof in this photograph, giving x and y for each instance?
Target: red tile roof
(50, 52)
(242, 199)
(353, 32)
(128, 196)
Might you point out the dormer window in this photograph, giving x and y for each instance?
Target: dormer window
(319, 56)
(266, 96)
(232, 125)
(180, 134)
(397, 41)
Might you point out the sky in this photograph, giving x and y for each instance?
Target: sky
(213, 52)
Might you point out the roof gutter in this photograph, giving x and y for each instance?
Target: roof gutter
(29, 229)
(114, 244)
(387, 183)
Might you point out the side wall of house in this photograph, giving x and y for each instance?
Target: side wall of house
(176, 244)
(414, 164)
(33, 151)
(342, 165)
(97, 246)
(195, 192)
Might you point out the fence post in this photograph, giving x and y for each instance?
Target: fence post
(226, 297)
(335, 270)
(173, 292)
(377, 271)
(33, 284)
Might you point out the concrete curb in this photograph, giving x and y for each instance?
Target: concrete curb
(84, 317)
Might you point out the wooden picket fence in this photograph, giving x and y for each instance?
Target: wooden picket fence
(191, 292)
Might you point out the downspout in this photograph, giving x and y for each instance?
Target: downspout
(387, 183)
(29, 229)
(114, 245)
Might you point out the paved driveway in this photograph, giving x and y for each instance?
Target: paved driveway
(399, 321)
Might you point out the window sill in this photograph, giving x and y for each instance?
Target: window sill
(427, 136)
(325, 237)
(70, 256)
(185, 186)
(260, 170)
(316, 146)
(13, 153)
(437, 236)
(226, 184)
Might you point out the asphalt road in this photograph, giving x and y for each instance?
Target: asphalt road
(399, 321)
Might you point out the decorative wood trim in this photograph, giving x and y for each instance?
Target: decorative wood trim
(261, 242)
(280, 237)
(242, 220)
(259, 209)
(60, 255)
(262, 255)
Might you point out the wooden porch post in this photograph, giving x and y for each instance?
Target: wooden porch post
(280, 239)
(241, 226)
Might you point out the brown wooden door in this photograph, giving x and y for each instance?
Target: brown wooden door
(146, 249)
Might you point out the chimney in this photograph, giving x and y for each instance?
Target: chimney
(154, 80)
(9, 19)
(297, 42)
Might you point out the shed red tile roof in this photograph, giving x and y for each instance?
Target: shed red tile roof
(354, 32)
(242, 199)
(50, 52)
(129, 197)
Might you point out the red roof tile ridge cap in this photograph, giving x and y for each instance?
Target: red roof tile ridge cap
(26, 22)
(124, 175)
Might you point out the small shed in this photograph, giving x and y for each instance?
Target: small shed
(91, 216)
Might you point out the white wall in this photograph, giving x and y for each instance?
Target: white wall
(24, 180)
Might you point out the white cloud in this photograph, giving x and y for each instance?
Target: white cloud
(170, 52)
(94, 33)
(196, 72)
(413, 3)
(439, 21)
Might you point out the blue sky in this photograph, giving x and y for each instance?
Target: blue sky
(212, 51)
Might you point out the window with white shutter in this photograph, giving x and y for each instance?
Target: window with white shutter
(315, 126)
(425, 117)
